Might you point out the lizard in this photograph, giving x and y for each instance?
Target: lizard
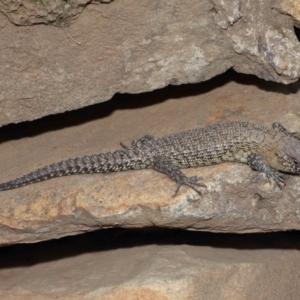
(268, 150)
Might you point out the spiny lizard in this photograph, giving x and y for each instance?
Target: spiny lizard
(263, 149)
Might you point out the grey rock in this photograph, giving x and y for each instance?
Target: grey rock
(93, 51)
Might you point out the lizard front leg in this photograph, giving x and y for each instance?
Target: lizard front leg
(165, 166)
(256, 162)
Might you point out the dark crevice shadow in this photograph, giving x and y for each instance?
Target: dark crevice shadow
(130, 101)
(267, 86)
(297, 33)
(116, 238)
(105, 109)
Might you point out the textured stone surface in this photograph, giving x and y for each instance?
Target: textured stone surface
(263, 36)
(59, 12)
(134, 46)
(235, 200)
(26, 12)
(125, 46)
(289, 7)
(160, 266)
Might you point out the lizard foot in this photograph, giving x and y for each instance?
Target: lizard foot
(277, 177)
(256, 162)
(192, 182)
(166, 166)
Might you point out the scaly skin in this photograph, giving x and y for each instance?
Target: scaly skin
(264, 150)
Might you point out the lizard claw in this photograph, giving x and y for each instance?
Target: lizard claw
(191, 182)
(256, 162)
(277, 177)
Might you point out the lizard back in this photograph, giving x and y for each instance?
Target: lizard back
(232, 141)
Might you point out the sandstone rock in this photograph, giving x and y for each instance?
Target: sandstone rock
(26, 12)
(236, 200)
(263, 36)
(94, 51)
(169, 268)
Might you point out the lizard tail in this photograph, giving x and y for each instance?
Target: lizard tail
(119, 160)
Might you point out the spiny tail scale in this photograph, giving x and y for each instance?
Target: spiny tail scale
(119, 160)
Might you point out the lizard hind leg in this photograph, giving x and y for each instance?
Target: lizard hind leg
(165, 166)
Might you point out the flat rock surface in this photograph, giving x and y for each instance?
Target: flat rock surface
(236, 199)
(124, 46)
(160, 265)
(78, 53)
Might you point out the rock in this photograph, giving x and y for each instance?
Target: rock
(237, 199)
(154, 265)
(263, 36)
(92, 52)
(26, 12)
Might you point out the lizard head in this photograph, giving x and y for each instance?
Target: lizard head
(288, 154)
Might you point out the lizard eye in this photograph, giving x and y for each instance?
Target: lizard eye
(296, 164)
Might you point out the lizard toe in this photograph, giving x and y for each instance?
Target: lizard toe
(277, 177)
(191, 182)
